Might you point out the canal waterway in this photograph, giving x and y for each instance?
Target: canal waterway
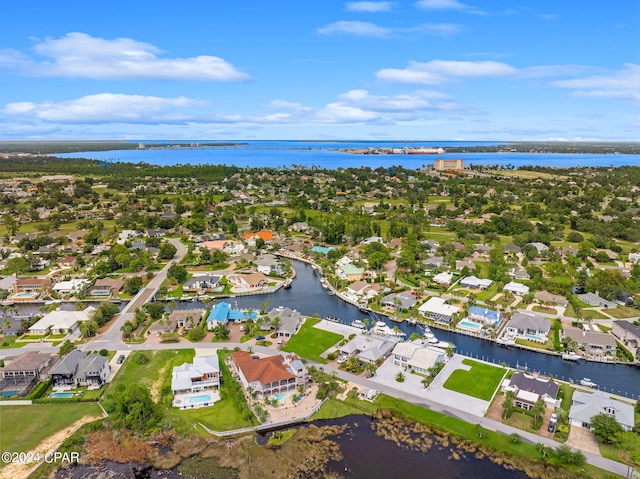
(308, 297)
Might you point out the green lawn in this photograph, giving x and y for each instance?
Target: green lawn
(310, 342)
(622, 312)
(155, 374)
(480, 381)
(24, 427)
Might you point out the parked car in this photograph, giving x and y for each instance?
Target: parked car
(281, 340)
(260, 338)
(120, 359)
(553, 418)
(552, 426)
(342, 359)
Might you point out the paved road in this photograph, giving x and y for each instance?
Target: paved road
(112, 338)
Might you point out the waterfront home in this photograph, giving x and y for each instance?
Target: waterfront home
(187, 318)
(80, 369)
(596, 343)
(202, 283)
(438, 309)
(70, 287)
(226, 246)
(203, 373)
(516, 288)
(483, 316)
(222, 313)
(61, 322)
(475, 283)
(163, 326)
(529, 326)
(24, 371)
(289, 321)
(546, 297)
(270, 375)
(399, 302)
(530, 388)
(106, 287)
(323, 250)
(248, 281)
(628, 333)
(417, 356)
(369, 348)
(29, 288)
(350, 272)
(585, 405)
(594, 299)
(268, 264)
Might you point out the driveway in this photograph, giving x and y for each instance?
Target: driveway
(583, 439)
(386, 375)
(114, 367)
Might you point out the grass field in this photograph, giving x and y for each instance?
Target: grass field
(622, 312)
(310, 342)
(24, 427)
(154, 374)
(480, 381)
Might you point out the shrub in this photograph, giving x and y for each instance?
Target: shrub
(104, 352)
(142, 358)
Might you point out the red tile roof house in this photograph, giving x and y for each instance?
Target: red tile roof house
(270, 375)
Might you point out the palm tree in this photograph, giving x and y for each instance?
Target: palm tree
(537, 410)
(507, 404)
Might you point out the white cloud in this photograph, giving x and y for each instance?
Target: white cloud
(362, 99)
(448, 5)
(341, 113)
(108, 107)
(361, 29)
(437, 29)
(437, 72)
(288, 105)
(80, 55)
(623, 84)
(372, 7)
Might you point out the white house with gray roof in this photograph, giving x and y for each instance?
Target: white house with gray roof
(586, 405)
(203, 373)
(417, 356)
(290, 321)
(529, 326)
(594, 299)
(370, 348)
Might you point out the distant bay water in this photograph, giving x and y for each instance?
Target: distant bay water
(285, 154)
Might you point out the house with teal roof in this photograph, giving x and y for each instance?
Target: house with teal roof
(351, 272)
(321, 249)
(223, 313)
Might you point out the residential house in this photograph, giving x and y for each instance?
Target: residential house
(628, 333)
(596, 343)
(475, 283)
(226, 246)
(530, 388)
(164, 325)
(519, 273)
(634, 258)
(594, 299)
(443, 278)
(270, 375)
(187, 318)
(585, 405)
(25, 369)
(512, 248)
(202, 374)
(540, 247)
(484, 316)
(529, 326)
(438, 309)
(66, 261)
(80, 369)
(251, 238)
(61, 322)
(29, 288)
(516, 288)
(323, 250)
(299, 226)
(155, 233)
(248, 281)
(370, 348)
(545, 297)
(465, 263)
(399, 302)
(289, 321)
(72, 286)
(204, 283)
(418, 356)
(223, 313)
(434, 262)
(106, 287)
(268, 264)
(350, 272)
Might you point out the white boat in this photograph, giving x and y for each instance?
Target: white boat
(333, 319)
(587, 382)
(381, 328)
(570, 356)
(444, 345)
(358, 324)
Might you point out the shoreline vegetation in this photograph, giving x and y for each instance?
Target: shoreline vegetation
(569, 147)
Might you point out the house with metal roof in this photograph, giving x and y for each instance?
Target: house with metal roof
(475, 283)
(222, 313)
(484, 316)
(438, 309)
(203, 373)
(585, 405)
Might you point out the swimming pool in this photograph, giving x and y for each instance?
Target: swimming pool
(8, 394)
(469, 324)
(202, 398)
(538, 339)
(61, 395)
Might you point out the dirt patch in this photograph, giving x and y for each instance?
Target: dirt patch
(48, 445)
(154, 389)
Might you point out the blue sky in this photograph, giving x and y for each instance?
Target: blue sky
(371, 70)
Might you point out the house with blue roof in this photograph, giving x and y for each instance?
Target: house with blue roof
(223, 313)
(484, 316)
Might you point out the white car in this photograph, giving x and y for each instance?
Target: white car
(280, 341)
(554, 418)
(342, 359)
